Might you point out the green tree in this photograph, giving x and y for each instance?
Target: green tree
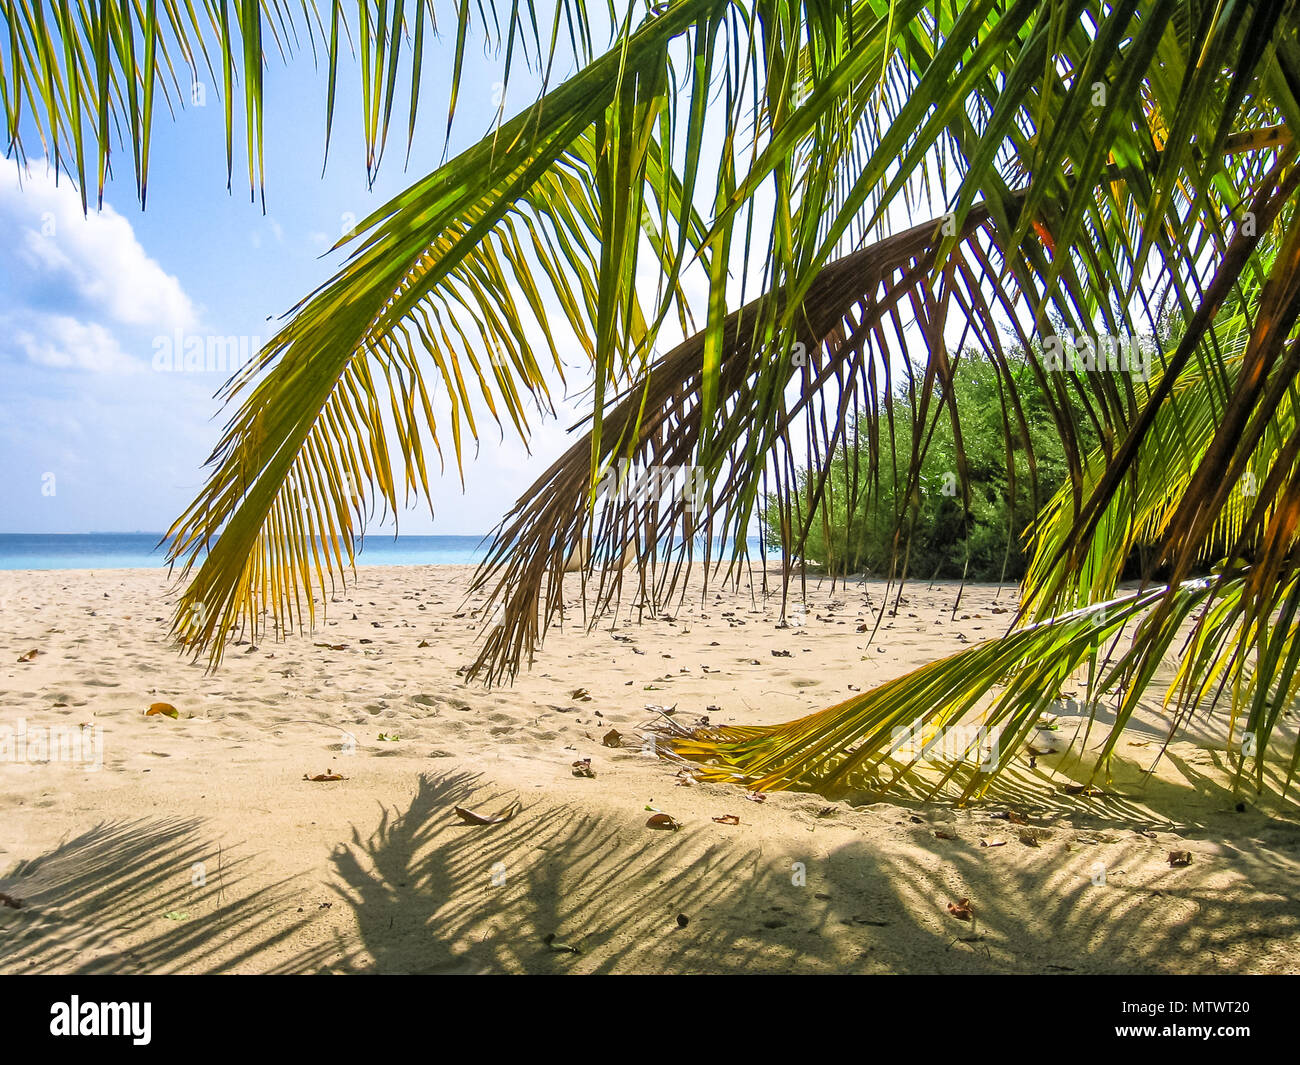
(873, 515)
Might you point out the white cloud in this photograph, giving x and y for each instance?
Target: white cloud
(63, 342)
(96, 255)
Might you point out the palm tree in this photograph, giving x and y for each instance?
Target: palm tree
(1095, 172)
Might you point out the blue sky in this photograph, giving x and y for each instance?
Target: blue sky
(91, 437)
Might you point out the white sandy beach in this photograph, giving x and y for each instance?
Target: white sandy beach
(198, 846)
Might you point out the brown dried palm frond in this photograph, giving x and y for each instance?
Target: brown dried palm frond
(839, 357)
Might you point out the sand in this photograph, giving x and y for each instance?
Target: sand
(198, 846)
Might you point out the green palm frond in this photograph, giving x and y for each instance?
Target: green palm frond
(77, 73)
(437, 276)
(1002, 687)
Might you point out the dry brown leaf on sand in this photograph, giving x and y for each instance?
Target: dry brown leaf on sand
(30, 656)
(612, 738)
(321, 778)
(581, 695)
(333, 646)
(472, 818)
(662, 821)
(162, 710)
(728, 819)
(962, 910)
(756, 796)
(582, 768)
(1180, 858)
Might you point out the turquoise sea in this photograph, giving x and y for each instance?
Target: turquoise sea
(146, 551)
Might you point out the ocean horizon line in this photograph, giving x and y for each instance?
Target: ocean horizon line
(146, 550)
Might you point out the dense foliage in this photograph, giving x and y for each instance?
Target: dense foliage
(929, 523)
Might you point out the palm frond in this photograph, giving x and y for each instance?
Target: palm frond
(997, 690)
(74, 77)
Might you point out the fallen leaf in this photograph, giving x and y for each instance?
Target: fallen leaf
(662, 821)
(472, 818)
(612, 738)
(423, 643)
(320, 778)
(333, 646)
(993, 843)
(582, 768)
(29, 656)
(1180, 858)
(560, 948)
(177, 915)
(163, 709)
(756, 796)
(581, 695)
(728, 819)
(780, 654)
(962, 910)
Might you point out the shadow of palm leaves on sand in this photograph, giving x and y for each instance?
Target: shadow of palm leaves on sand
(149, 895)
(425, 893)
(1113, 907)
(432, 895)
